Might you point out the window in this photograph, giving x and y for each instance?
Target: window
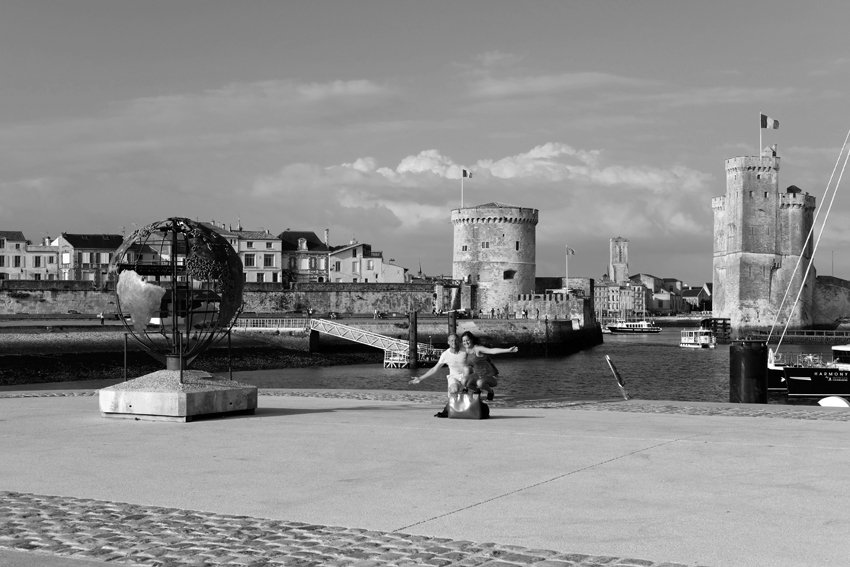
(517, 244)
(36, 262)
(66, 257)
(292, 262)
(463, 248)
(354, 253)
(268, 245)
(249, 260)
(268, 260)
(249, 244)
(17, 261)
(50, 259)
(485, 245)
(355, 267)
(2, 261)
(260, 277)
(36, 277)
(312, 263)
(274, 277)
(508, 274)
(370, 264)
(337, 266)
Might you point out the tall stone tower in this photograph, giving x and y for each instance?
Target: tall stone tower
(618, 259)
(494, 251)
(759, 234)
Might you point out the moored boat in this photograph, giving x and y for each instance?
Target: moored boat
(698, 338)
(809, 376)
(623, 326)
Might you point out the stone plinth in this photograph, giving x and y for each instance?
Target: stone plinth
(160, 396)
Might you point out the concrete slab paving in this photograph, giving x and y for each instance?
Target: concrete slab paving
(690, 484)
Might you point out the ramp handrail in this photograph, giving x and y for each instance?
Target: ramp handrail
(368, 337)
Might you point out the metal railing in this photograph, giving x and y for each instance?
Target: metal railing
(396, 351)
(278, 324)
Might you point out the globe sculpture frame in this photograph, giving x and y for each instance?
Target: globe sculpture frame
(198, 279)
(179, 289)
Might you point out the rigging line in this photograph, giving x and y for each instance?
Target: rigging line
(817, 243)
(808, 238)
(542, 482)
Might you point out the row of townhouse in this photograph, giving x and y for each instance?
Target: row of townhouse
(291, 256)
(645, 294)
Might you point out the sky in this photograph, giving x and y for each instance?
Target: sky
(612, 118)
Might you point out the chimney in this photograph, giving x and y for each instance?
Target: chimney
(327, 235)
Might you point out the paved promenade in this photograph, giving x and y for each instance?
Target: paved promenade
(371, 478)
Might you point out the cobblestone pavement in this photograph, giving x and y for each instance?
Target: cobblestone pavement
(129, 534)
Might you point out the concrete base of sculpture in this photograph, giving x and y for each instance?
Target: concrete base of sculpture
(161, 396)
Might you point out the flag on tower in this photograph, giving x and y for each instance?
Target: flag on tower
(768, 122)
(570, 251)
(467, 173)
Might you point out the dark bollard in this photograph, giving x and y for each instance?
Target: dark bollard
(412, 337)
(748, 371)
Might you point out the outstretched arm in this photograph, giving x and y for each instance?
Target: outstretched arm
(488, 350)
(417, 379)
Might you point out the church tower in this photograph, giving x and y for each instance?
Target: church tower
(618, 259)
(759, 234)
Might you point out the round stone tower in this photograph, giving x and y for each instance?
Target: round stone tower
(759, 234)
(494, 252)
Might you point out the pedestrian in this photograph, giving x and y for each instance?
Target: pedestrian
(482, 372)
(101, 317)
(455, 358)
(492, 313)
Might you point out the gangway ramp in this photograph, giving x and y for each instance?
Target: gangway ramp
(396, 351)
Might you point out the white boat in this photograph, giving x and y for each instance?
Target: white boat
(628, 327)
(698, 338)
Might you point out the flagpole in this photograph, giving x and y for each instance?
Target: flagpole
(461, 189)
(760, 129)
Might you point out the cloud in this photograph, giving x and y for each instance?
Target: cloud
(423, 187)
(535, 85)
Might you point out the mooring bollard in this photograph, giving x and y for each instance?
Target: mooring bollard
(748, 371)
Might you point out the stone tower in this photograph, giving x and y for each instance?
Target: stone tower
(494, 251)
(618, 259)
(759, 234)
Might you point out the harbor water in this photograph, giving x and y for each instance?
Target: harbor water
(653, 367)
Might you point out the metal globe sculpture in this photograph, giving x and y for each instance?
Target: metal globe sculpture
(179, 287)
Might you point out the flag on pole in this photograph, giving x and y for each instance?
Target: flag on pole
(769, 123)
(570, 251)
(467, 173)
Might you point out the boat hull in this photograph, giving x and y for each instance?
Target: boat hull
(696, 345)
(619, 331)
(805, 382)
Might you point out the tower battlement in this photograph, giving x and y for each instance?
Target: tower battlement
(797, 201)
(494, 213)
(752, 164)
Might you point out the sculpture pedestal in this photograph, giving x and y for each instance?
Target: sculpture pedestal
(160, 396)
